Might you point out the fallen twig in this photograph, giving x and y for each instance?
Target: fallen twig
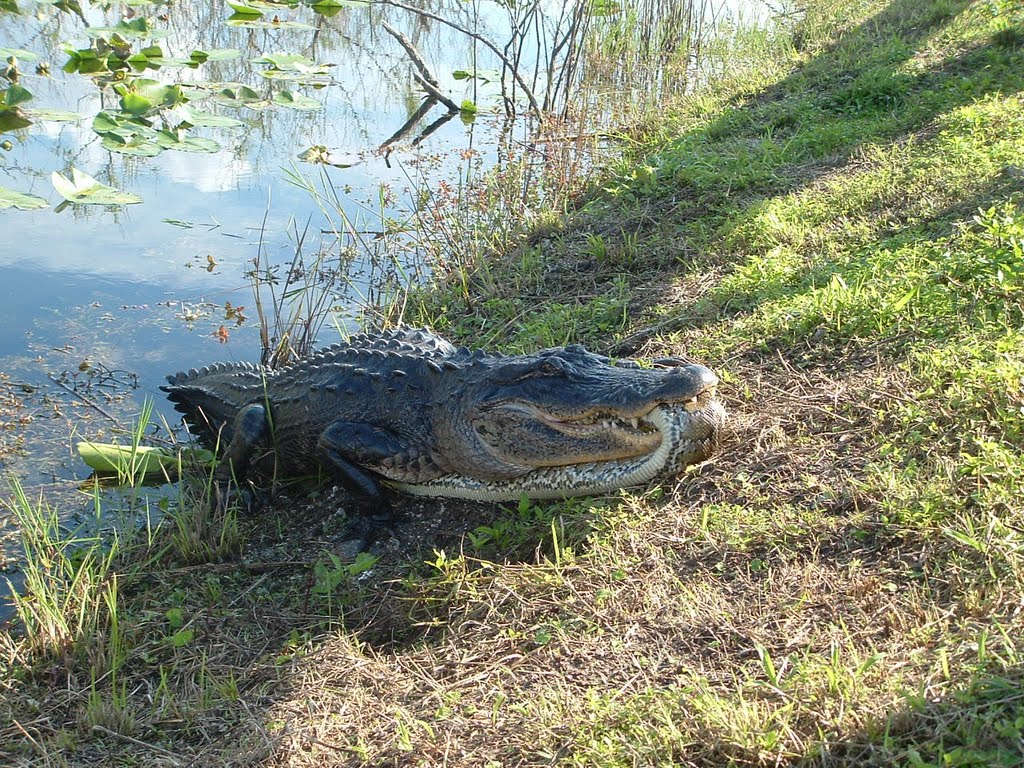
(88, 401)
(139, 743)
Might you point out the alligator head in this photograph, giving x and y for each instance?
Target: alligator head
(566, 421)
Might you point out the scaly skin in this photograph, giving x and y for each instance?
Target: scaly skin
(409, 410)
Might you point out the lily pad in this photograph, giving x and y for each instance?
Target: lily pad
(176, 140)
(11, 199)
(19, 53)
(292, 61)
(289, 66)
(12, 118)
(327, 8)
(15, 95)
(321, 155)
(54, 115)
(196, 58)
(241, 96)
(138, 29)
(144, 96)
(204, 119)
(105, 122)
(296, 101)
(137, 144)
(83, 189)
(249, 22)
(241, 9)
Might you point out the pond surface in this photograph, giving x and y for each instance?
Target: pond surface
(99, 302)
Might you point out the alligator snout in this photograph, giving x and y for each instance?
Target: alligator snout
(687, 383)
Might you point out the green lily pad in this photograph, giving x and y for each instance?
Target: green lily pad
(205, 119)
(54, 115)
(174, 140)
(149, 53)
(241, 9)
(296, 77)
(15, 95)
(241, 96)
(289, 66)
(196, 58)
(104, 122)
(12, 118)
(287, 61)
(83, 189)
(320, 155)
(248, 22)
(143, 96)
(327, 8)
(296, 101)
(88, 62)
(137, 144)
(11, 199)
(137, 29)
(19, 53)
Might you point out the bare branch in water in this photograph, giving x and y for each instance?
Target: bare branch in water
(425, 78)
(480, 38)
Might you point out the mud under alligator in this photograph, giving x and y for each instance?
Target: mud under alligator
(408, 410)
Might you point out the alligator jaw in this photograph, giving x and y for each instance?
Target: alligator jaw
(689, 434)
(639, 425)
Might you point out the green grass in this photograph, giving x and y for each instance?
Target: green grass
(836, 225)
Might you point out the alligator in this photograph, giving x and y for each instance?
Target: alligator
(406, 409)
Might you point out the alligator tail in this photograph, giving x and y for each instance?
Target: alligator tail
(212, 396)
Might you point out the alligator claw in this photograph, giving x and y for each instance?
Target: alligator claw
(367, 527)
(229, 496)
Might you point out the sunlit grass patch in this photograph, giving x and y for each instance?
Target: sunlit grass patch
(70, 592)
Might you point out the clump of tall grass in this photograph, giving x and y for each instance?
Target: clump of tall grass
(69, 596)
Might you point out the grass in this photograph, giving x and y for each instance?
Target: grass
(836, 226)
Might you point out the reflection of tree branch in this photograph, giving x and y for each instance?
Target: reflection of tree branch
(409, 124)
(424, 76)
(483, 40)
(433, 127)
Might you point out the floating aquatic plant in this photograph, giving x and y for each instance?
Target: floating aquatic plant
(83, 189)
(11, 199)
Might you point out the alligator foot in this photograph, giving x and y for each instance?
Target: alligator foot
(247, 499)
(369, 525)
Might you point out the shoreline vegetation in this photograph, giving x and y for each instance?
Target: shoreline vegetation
(835, 224)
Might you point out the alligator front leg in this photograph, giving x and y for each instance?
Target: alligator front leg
(250, 432)
(345, 447)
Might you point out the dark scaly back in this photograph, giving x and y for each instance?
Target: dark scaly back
(211, 396)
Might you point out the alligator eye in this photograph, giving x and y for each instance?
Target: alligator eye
(545, 369)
